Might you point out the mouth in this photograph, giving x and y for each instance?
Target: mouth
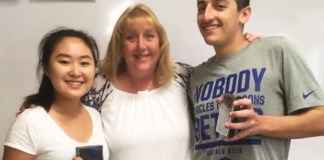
(74, 84)
(141, 56)
(211, 27)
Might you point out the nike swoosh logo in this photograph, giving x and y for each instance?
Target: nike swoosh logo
(308, 94)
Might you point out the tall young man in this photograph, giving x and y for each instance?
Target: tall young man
(282, 98)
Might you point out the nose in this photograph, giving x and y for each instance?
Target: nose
(208, 14)
(141, 43)
(75, 70)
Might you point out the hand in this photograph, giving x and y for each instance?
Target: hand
(252, 37)
(77, 158)
(251, 124)
(23, 107)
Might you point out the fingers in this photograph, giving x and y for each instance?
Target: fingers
(244, 103)
(244, 131)
(219, 100)
(18, 113)
(23, 107)
(251, 37)
(248, 125)
(242, 125)
(240, 135)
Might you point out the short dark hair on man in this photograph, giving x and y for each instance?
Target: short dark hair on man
(242, 4)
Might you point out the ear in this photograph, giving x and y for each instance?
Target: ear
(45, 71)
(245, 14)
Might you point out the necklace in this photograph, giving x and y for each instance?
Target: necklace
(148, 88)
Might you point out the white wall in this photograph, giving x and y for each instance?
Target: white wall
(23, 22)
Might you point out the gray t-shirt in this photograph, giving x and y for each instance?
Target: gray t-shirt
(272, 74)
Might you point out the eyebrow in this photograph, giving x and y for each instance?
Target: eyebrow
(200, 1)
(222, 1)
(148, 29)
(68, 56)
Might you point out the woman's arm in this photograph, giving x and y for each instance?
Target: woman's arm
(14, 154)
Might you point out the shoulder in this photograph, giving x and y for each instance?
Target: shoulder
(31, 118)
(101, 85)
(182, 73)
(92, 111)
(100, 81)
(273, 46)
(182, 68)
(30, 122)
(34, 114)
(100, 90)
(27, 130)
(278, 41)
(204, 65)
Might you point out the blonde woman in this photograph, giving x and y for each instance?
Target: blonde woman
(141, 92)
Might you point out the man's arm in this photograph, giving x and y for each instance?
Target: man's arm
(304, 124)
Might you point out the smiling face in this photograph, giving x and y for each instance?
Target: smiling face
(141, 46)
(71, 68)
(220, 21)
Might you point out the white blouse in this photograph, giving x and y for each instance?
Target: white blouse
(154, 125)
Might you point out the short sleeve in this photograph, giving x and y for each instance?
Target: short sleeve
(23, 134)
(301, 88)
(182, 73)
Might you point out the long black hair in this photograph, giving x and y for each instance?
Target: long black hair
(45, 95)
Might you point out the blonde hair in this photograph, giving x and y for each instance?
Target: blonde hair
(113, 64)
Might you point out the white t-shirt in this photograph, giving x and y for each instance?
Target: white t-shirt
(36, 133)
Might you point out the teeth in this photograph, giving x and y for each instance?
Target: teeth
(74, 83)
(211, 27)
(141, 55)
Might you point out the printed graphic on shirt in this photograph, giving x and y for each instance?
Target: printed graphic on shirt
(306, 95)
(247, 84)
